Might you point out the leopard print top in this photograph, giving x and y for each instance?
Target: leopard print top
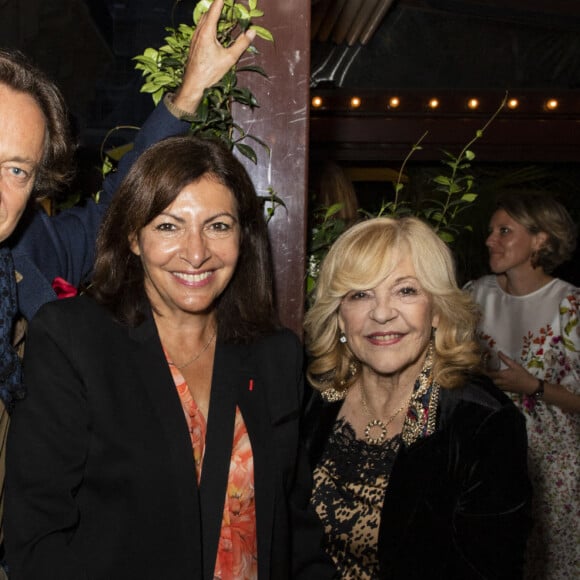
(350, 482)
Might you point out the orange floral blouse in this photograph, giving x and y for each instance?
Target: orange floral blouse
(237, 557)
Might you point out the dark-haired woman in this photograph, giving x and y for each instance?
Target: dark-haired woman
(159, 439)
(530, 333)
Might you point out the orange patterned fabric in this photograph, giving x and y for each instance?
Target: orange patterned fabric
(237, 557)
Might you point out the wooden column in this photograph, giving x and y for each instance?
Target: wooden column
(282, 122)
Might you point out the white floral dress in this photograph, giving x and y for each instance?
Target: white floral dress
(541, 331)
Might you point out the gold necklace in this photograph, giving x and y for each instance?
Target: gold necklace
(380, 424)
(205, 347)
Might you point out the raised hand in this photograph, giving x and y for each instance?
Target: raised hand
(208, 60)
(515, 378)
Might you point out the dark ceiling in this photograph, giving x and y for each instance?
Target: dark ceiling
(452, 50)
(411, 45)
(446, 44)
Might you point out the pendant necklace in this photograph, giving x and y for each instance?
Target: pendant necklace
(378, 426)
(205, 347)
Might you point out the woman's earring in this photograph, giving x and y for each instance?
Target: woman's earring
(342, 338)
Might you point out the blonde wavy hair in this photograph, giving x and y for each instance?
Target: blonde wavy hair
(359, 260)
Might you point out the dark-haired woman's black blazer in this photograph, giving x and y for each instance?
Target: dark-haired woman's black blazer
(458, 502)
(101, 481)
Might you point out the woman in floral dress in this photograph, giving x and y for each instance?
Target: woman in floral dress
(530, 334)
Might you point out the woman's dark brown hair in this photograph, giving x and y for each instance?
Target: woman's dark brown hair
(245, 309)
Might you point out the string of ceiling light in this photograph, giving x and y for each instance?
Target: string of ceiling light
(451, 103)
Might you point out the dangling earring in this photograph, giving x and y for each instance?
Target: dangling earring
(433, 337)
(352, 371)
(342, 338)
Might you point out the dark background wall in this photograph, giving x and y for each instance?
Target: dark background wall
(455, 46)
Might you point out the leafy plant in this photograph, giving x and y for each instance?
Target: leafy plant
(456, 189)
(400, 207)
(453, 193)
(327, 227)
(163, 70)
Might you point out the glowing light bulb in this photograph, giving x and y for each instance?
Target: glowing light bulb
(513, 104)
(552, 104)
(355, 103)
(317, 102)
(394, 102)
(433, 103)
(473, 104)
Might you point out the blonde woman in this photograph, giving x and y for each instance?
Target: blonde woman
(419, 461)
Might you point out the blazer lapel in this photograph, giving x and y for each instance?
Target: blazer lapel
(158, 385)
(236, 382)
(227, 373)
(253, 402)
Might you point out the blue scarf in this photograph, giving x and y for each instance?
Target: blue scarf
(11, 388)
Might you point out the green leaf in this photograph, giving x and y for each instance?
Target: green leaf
(469, 197)
(200, 9)
(149, 88)
(157, 96)
(253, 68)
(260, 141)
(150, 63)
(469, 155)
(442, 180)
(241, 12)
(163, 78)
(333, 209)
(446, 236)
(262, 32)
(247, 151)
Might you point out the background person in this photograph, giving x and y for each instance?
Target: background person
(529, 333)
(332, 187)
(159, 438)
(419, 461)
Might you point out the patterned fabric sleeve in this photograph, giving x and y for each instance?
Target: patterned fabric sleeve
(569, 369)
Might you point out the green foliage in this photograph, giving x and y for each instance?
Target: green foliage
(163, 70)
(451, 193)
(454, 192)
(327, 227)
(271, 203)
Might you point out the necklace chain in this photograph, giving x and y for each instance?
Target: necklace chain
(192, 360)
(380, 424)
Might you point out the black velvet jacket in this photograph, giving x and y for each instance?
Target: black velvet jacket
(457, 505)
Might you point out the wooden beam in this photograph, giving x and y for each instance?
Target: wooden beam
(282, 122)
